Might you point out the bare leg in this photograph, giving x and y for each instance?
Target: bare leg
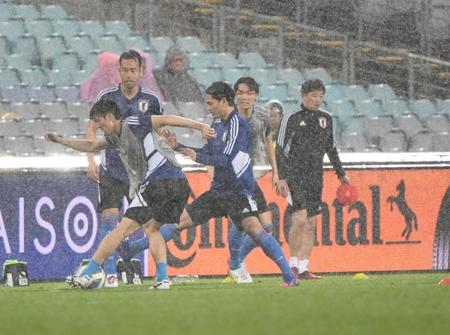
(157, 244)
(298, 219)
(307, 230)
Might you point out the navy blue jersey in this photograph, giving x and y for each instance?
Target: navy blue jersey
(229, 153)
(145, 102)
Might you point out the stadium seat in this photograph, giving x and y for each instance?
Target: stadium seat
(396, 107)
(28, 110)
(49, 47)
(59, 78)
(6, 11)
(2, 144)
(80, 76)
(383, 92)
(54, 110)
(33, 77)
(192, 110)
(353, 141)
(189, 44)
(5, 106)
(206, 77)
(409, 124)
(273, 92)
(378, 126)
(27, 45)
(27, 12)
(252, 60)
(67, 61)
(90, 62)
(394, 141)
(18, 61)
(161, 45)
(355, 124)
(230, 76)
(443, 107)
(369, 107)
(318, 73)
(82, 45)
(200, 60)
(92, 28)
(438, 123)
(225, 60)
(170, 108)
(422, 141)
(109, 43)
(264, 76)
(67, 126)
(13, 28)
(21, 145)
(54, 12)
(41, 93)
(78, 109)
(15, 93)
(38, 127)
(441, 141)
(11, 127)
(291, 76)
(4, 45)
(47, 147)
(66, 27)
(135, 41)
(8, 77)
(39, 28)
(82, 125)
(334, 92)
(356, 93)
(423, 108)
(344, 109)
(67, 93)
(118, 28)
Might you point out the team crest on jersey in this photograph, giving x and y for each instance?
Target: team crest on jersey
(143, 105)
(322, 122)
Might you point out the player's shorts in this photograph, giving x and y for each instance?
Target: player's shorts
(302, 196)
(212, 205)
(163, 200)
(260, 199)
(111, 192)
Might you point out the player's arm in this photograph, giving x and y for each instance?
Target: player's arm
(282, 154)
(93, 169)
(177, 121)
(333, 155)
(270, 151)
(83, 145)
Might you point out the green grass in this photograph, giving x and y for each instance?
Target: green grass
(383, 304)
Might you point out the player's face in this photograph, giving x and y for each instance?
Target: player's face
(245, 97)
(274, 119)
(106, 123)
(177, 63)
(130, 72)
(313, 100)
(215, 107)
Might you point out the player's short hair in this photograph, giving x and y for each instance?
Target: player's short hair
(249, 81)
(219, 90)
(312, 85)
(131, 54)
(103, 107)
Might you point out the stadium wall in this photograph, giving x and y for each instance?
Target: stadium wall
(48, 218)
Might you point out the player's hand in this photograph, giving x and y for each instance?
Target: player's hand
(188, 152)
(345, 180)
(170, 138)
(53, 137)
(163, 132)
(93, 172)
(282, 188)
(208, 132)
(275, 180)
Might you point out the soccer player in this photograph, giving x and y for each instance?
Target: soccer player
(305, 135)
(111, 175)
(262, 154)
(162, 194)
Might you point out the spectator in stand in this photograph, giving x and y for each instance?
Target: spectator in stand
(175, 83)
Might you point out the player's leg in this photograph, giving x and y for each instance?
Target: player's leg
(295, 236)
(306, 246)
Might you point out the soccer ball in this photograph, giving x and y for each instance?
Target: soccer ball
(97, 280)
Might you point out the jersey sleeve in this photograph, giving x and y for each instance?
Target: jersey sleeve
(140, 124)
(283, 148)
(332, 152)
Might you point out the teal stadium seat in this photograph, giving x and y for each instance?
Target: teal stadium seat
(230, 76)
(92, 28)
(206, 77)
(27, 12)
(67, 61)
(318, 73)
(252, 60)
(135, 41)
(200, 60)
(383, 92)
(81, 44)
(369, 107)
(18, 61)
(161, 44)
(54, 12)
(334, 92)
(90, 62)
(355, 124)
(110, 43)
(269, 92)
(4, 45)
(118, 28)
(3, 62)
(422, 107)
(356, 92)
(264, 76)
(443, 107)
(50, 47)
(12, 29)
(66, 27)
(39, 28)
(190, 44)
(6, 11)
(225, 60)
(344, 109)
(59, 78)
(8, 77)
(396, 107)
(79, 76)
(33, 77)
(291, 76)
(27, 45)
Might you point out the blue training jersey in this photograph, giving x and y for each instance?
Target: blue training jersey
(229, 153)
(145, 102)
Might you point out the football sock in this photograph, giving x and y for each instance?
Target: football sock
(168, 231)
(293, 262)
(109, 222)
(234, 244)
(248, 244)
(91, 268)
(272, 249)
(303, 265)
(161, 271)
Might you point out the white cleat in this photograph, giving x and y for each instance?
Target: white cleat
(111, 281)
(161, 285)
(244, 277)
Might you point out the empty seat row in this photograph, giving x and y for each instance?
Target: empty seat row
(40, 93)
(52, 110)
(68, 126)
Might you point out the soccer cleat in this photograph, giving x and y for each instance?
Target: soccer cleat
(231, 278)
(111, 281)
(161, 285)
(124, 249)
(244, 276)
(306, 275)
(69, 281)
(294, 271)
(292, 283)
(83, 282)
(238, 276)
